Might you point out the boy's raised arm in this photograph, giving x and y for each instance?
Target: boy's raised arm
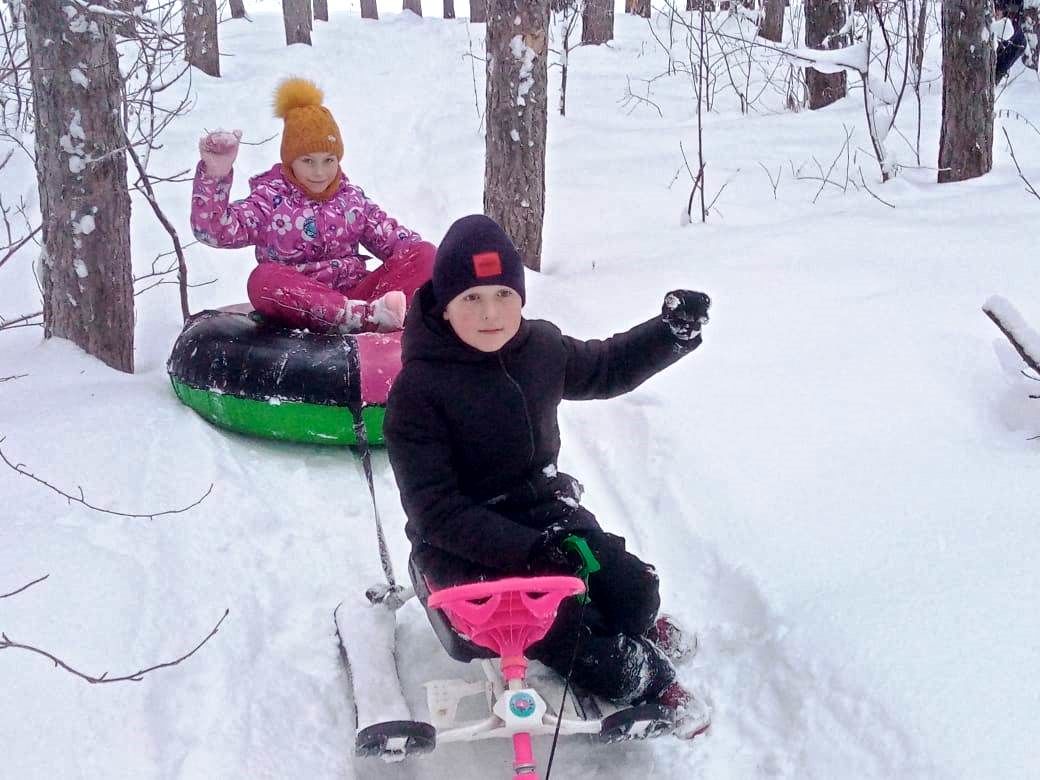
(610, 367)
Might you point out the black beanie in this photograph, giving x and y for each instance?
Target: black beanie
(475, 251)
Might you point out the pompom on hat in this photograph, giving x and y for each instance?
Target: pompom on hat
(309, 126)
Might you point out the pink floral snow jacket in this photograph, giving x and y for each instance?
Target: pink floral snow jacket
(317, 238)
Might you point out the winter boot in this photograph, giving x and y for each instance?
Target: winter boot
(691, 716)
(677, 645)
(388, 311)
(384, 314)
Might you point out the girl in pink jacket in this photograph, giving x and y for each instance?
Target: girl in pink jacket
(306, 220)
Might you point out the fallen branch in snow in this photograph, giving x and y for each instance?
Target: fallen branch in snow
(1029, 186)
(24, 587)
(1023, 338)
(6, 642)
(20, 469)
(9, 378)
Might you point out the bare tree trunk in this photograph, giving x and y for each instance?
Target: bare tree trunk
(514, 172)
(297, 15)
(449, 9)
(369, 9)
(478, 11)
(640, 7)
(88, 292)
(597, 21)
(200, 36)
(238, 9)
(321, 10)
(772, 26)
(415, 6)
(966, 138)
(823, 20)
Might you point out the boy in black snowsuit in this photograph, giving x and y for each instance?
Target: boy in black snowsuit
(473, 439)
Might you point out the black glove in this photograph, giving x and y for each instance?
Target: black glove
(549, 550)
(684, 311)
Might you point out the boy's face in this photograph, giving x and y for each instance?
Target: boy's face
(315, 171)
(485, 317)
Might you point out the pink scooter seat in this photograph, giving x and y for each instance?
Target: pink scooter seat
(506, 616)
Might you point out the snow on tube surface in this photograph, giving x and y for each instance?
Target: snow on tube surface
(266, 380)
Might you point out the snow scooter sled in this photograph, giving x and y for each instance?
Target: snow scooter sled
(494, 622)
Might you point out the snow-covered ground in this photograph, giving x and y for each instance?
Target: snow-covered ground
(839, 488)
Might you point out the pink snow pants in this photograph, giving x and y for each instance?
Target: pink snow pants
(283, 294)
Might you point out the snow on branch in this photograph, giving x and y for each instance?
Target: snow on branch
(1023, 338)
(20, 469)
(854, 58)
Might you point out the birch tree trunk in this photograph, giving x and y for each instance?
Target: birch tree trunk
(514, 172)
(966, 137)
(200, 36)
(597, 21)
(88, 291)
(297, 15)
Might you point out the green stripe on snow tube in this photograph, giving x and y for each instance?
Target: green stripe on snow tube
(264, 380)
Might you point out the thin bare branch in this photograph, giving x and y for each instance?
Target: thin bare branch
(24, 587)
(18, 245)
(24, 321)
(20, 469)
(6, 643)
(149, 193)
(1029, 186)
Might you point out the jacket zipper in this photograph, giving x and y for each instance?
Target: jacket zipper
(527, 414)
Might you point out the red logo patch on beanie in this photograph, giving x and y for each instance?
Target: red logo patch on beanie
(487, 264)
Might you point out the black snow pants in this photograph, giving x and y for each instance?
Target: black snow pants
(614, 659)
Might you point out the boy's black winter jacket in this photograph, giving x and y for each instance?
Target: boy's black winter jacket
(473, 436)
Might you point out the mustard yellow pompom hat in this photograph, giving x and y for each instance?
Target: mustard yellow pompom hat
(309, 126)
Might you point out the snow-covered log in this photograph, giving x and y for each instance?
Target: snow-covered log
(1023, 338)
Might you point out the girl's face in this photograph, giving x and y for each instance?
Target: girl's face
(315, 171)
(485, 317)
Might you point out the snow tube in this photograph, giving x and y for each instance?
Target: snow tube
(278, 383)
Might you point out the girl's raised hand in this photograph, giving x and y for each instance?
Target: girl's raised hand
(218, 151)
